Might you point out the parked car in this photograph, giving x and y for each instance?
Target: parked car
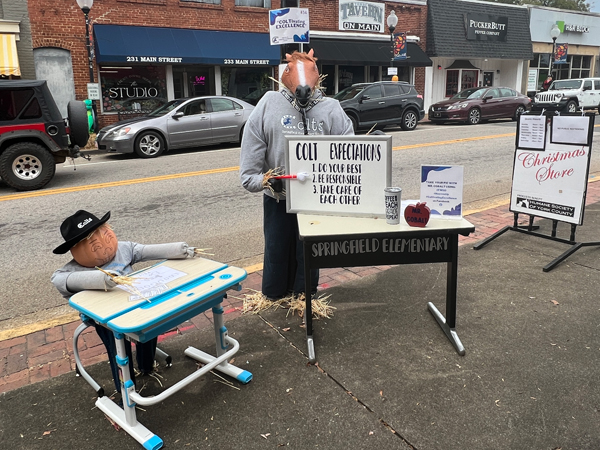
(480, 103)
(179, 123)
(34, 136)
(382, 103)
(569, 95)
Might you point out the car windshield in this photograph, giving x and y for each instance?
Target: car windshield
(565, 84)
(469, 93)
(167, 108)
(349, 92)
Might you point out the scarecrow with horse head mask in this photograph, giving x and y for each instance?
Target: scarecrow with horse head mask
(299, 108)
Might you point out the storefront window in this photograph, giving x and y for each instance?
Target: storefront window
(257, 3)
(328, 82)
(350, 75)
(136, 89)
(246, 83)
(580, 66)
(468, 79)
(577, 66)
(451, 82)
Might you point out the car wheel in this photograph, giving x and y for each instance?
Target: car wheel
(354, 123)
(571, 106)
(409, 120)
(79, 129)
(520, 110)
(27, 166)
(149, 145)
(474, 116)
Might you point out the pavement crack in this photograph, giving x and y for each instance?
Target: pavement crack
(347, 391)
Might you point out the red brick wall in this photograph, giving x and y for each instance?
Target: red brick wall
(62, 24)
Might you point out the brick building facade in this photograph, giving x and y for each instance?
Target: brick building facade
(58, 28)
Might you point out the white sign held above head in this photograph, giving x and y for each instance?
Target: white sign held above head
(289, 26)
(552, 182)
(347, 175)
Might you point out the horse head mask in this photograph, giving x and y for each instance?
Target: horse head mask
(301, 76)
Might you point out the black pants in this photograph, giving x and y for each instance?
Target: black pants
(283, 267)
(144, 354)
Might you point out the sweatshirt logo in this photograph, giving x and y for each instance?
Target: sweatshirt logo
(286, 121)
(84, 223)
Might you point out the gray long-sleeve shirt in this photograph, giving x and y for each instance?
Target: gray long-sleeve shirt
(264, 144)
(128, 254)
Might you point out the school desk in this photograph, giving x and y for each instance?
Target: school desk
(177, 291)
(335, 241)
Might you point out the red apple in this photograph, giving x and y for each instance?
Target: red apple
(417, 215)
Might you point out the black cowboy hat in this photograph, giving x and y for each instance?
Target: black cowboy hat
(77, 227)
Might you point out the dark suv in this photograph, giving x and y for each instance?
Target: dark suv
(382, 103)
(33, 135)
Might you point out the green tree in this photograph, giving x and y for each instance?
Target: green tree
(575, 5)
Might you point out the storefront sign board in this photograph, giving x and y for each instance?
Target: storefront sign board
(485, 27)
(552, 183)
(347, 175)
(361, 16)
(289, 25)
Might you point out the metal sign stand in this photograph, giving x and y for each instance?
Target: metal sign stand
(529, 230)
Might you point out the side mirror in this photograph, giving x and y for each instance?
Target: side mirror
(365, 97)
(177, 115)
(587, 88)
(487, 97)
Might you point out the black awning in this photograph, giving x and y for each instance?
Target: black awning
(365, 53)
(461, 64)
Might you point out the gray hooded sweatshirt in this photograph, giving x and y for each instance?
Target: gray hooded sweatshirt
(263, 142)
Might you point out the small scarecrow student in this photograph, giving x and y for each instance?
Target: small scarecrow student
(93, 244)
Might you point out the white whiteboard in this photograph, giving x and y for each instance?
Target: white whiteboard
(347, 174)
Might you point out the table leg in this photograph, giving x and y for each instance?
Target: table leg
(448, 323)
(222, 347)
(312, 358)
(125, 417)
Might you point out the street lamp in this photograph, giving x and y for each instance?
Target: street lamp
(85, 6)
(392, 21)
(554, 33)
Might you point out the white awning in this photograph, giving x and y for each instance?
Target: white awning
(9, 60)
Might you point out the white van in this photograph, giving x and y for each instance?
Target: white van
(569, 95)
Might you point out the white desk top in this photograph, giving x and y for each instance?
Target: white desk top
(313, 225)
(114, 306)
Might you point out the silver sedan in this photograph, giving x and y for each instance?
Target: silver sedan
(180, 123)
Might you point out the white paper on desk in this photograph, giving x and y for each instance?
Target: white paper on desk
(152, 282)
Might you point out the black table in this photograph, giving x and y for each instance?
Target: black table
(334, 241)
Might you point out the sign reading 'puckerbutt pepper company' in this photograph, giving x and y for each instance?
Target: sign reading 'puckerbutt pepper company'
(484, 27)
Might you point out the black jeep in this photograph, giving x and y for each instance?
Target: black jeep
(33, 135)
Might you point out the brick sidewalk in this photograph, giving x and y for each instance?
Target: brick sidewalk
(48, 353)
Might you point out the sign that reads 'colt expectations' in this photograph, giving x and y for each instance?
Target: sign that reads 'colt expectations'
(484, 27)
(347, 175)
(361, 16)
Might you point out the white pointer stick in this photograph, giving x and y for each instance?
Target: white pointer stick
(301, 176)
